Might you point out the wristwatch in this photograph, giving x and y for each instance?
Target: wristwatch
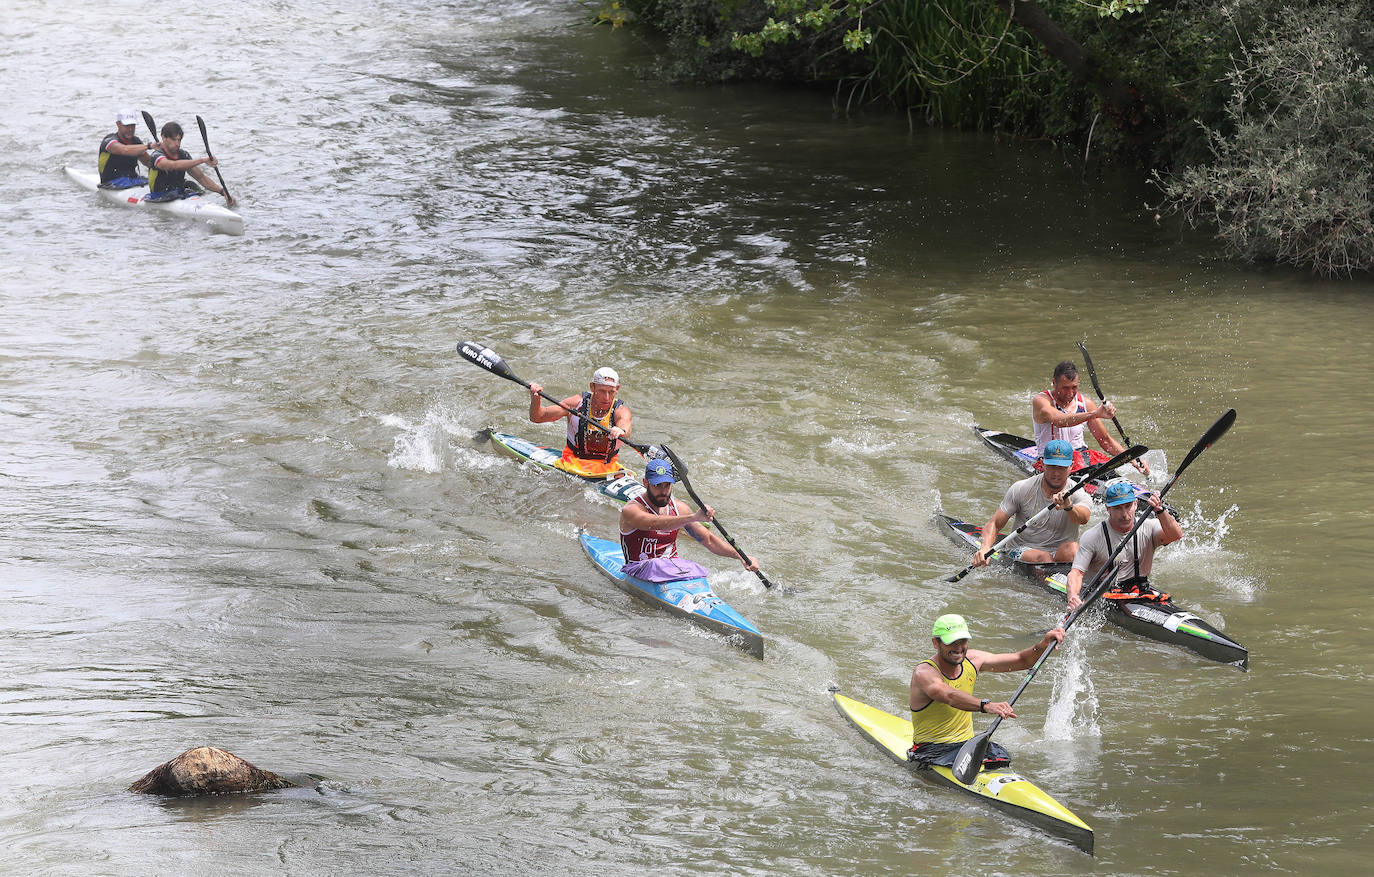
(983, 705)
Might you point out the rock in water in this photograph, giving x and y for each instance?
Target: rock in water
(206, 770)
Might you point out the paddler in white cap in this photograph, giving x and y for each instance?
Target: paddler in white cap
(589, 451)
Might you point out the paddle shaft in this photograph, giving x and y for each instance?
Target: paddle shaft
(1092, 376)
(681, 469)
(970, 757)
(205, 139)
(1088, 475)
(486, 358)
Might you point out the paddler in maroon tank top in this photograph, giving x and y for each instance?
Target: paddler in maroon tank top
(588, 451)
(649, 526)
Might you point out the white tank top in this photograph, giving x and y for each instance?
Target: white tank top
(1048, 432)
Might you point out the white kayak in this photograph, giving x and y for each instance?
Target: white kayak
(207, 209)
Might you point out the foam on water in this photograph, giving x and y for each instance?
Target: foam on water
(1072, 710)
(437, 442)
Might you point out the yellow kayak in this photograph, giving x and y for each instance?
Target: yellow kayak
(1002, 789)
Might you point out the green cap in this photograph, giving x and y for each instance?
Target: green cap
(950, 628)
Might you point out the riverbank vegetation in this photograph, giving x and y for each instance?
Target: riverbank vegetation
(1252, 116)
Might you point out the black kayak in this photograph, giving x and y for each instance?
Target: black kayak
(1157, 619)
(1020, 452)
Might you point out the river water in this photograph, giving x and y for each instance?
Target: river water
(245, 509)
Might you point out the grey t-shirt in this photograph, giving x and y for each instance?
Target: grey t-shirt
(1023, 499)
(1094, 548)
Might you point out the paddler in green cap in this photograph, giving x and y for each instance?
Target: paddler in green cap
(942, 699)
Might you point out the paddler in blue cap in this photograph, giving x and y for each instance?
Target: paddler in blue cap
(1133, 563)
(589, 451)
(942, 699)
(1053, 537)
(649, 526)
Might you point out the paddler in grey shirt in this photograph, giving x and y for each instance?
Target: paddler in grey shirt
(1055, 536)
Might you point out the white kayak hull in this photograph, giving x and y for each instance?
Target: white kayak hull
(206, 210)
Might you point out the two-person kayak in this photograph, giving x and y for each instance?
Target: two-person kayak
(207, 209)
(1004, 790)
(691, 599)
(1151, 614)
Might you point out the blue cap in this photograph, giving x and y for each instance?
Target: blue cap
(658, 472)
(1058, 453)
(1118, 493)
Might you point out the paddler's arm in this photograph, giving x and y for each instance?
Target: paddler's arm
(1022, 660)
(541, 413)
(1170, 530)
(1073, 585)
(624, 422)
(990, 529)
(636, 517)
(114, 147)
(927, 684)
(1110, 444)
(716, 545)
(205, 181)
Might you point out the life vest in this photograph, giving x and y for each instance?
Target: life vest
(165, 180)
(648, 544)
(112, 166)
(590, 443)
(938, 722)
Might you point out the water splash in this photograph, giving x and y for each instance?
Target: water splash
(438, 442)
(1072, 711)
(1202, 535)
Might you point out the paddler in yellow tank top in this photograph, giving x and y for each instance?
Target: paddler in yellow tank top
(942, 699)
(588, 451)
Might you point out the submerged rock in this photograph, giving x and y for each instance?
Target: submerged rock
(206, 770)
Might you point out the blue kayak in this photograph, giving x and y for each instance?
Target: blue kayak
(691, 599)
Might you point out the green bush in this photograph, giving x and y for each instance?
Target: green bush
(1289, 179)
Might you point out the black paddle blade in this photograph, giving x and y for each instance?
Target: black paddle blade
(679, 467)
(481, 355)
(969, 759)
(152, 127)
(204, 138)
(482, 436)
(1209, 438)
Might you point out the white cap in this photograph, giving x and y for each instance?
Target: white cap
(127, 117)
(606, 376)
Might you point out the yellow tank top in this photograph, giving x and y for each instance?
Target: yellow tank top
(938, 722)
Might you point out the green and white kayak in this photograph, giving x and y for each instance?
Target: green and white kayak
(622, 486)
(1006, 791)
(1153, 614)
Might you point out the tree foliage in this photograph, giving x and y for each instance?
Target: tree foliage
(1289, 179)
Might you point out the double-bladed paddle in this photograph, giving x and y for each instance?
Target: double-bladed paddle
(1120, 459)
(1092, 376)
(681, 469)
(969, 759)
(205, 139)
(485, 357)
